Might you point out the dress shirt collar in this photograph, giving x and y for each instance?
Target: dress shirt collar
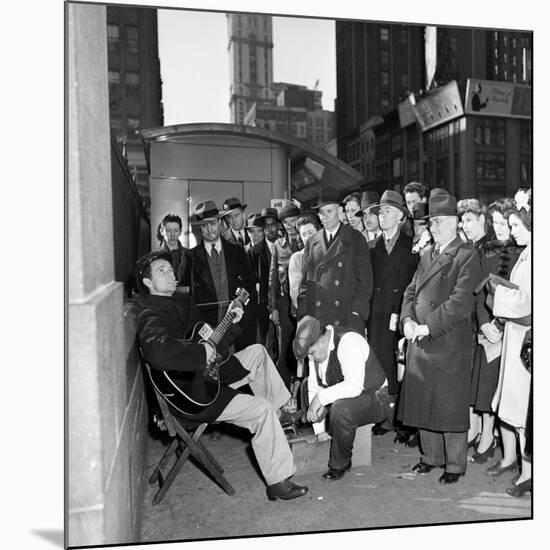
(332, 233)
(218, 247)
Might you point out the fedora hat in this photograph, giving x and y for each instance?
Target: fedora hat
(288, 211)
(307, 332)
(368, 199)
(203, 211)
(441, 205)
(269, 213)
(391, 198)
(420, 211)
(327, 195)
(232, 204)
(254, 221)
(438, 191)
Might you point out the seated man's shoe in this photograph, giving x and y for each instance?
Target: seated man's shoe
(423, 468)
(285, 490)
(332, 474)
(413, 440)
(449, 477)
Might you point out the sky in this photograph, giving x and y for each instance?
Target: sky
(195, 62)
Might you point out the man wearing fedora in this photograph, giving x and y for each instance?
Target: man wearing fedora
(435, 319)
(259, 258)
(371, 230)
(279, 296)
(216, 268)
(270, 218)
(233, 213)
(337, 283)
(345, 381)
(165, 319)
(393, 266)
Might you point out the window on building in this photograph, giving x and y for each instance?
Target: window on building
(384, 78)
(384, 34)
(525, 135)
(385, 103)
(490, 132)
(116, 123)
(404, 35)
(405, 81)
(453, 43)
(113, 37)
(525, 172)
(114, 77)
(384, 58)
(132, 38)
(132, 79)
(490, 166)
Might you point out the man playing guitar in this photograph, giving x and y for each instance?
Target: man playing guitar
(185, 371)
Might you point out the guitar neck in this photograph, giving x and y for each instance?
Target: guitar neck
(221, 329)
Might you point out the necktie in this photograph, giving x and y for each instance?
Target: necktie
(240, 239)
(330, 238)
(214, 253)
(435, 253)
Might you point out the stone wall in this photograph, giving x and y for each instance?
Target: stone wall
(106, 412)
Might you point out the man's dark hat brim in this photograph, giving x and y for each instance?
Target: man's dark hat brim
(269, 213)
(328, 195)
(441, 205)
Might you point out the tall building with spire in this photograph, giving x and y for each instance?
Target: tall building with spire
(250, 63)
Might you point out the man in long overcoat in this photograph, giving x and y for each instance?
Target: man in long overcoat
(337, 284)
(393, 266)
(436, 317)
(216, 268)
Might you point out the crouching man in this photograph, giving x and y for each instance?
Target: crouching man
(185, 373)
(348, 383)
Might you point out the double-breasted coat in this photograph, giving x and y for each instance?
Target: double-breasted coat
(239, 274)
(436, 385)
(392, 274)
(337, 279)
(259, 257)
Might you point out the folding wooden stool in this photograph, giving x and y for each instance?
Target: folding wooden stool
(184, 442)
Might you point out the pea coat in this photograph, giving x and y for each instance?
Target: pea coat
(239, 274)
(337, 280)
(392, 274)
(436, 385)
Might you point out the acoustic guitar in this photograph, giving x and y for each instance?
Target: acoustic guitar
(202, 393)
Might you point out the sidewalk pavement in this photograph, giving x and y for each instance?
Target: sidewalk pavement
(386, 494)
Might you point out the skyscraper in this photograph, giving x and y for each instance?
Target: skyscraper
(135, 92)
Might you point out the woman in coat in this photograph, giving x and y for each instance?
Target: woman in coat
(497, 256)
(511, 399)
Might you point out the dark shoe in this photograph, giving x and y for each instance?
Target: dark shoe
(285, 490)
(377, 429)
(497, 469)
(423, 468)
(401, 437)
(335, 473)
(520, 489)
(449, 477)
(413, 440)
(481, 458)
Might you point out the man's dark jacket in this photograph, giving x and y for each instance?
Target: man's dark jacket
(239, 274)
(163, 325)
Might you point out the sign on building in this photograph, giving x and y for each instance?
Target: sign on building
(441, 105)
(493, 98)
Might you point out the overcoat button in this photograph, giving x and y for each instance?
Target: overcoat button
(336, 303)
(318, 303)
(340, 264)
(336, 323)
(336, 283)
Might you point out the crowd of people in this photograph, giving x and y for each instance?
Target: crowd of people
(334, 295)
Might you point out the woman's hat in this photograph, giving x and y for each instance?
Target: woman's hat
(441, 205)
(327, 195)
(391, 198)
(203, 211)
(254, 221)
(232, 204)
(368, 199)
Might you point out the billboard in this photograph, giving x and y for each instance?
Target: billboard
(441, 105)
(494, 98)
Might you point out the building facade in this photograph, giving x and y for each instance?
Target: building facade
(135, 86)
(431, 132)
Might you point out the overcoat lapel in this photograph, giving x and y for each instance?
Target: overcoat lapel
(390, 261)
(338, 246)
(432, 267)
